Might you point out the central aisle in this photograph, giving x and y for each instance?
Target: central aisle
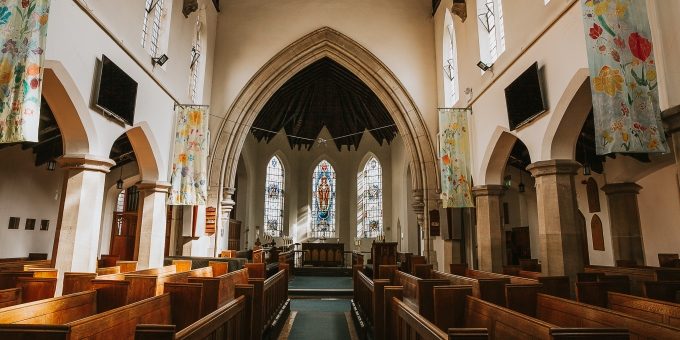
(327, 319)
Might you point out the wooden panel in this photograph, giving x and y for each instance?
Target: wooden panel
(653, 310)
(411, 323)
(449, 306)
(9, 279)
(218, 268)
(10, 297)
(256, 270)
(503, 323)
(36, 288)
(324, 254)
(77, 282)
(186, 301)
(522, 298)
(58, 310)
(218, 291)
(662, 290)
(120, 323)
(593, 193)
(127, 266)
(567, 313)
(230, 322)
(597, 233)
(108, 270)
(111, 294)
(182, 265)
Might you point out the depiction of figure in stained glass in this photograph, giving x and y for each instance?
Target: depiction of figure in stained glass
(323, 196)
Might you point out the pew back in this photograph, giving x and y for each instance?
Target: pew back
(60, 310)
(10, 297)
(653, 310)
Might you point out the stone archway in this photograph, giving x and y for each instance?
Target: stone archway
(324, 43)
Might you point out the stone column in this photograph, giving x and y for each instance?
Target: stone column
(624, 219)
(151, 224)
(671, 118)
(489, 227)
(76, 239)
(559, 232)
(226, 206)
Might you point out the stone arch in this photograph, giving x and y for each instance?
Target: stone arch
(69, 108)
(568, 118)
(322, 43)
(496, 157)
(146, 151)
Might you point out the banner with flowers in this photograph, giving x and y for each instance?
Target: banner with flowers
(190, 157)
(454, 158)
(623, 77)
(23, 28)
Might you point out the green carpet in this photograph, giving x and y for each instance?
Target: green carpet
(320, 319)
(320, 282)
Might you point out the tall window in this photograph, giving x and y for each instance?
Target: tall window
(274, 198)
(323, 201)
(369, 200)
(151, 28)
(196, 50)
(491, 31)
(450, 59)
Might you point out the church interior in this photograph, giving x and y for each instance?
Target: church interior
(346, 169)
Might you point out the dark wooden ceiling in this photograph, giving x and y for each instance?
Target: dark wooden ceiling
(324, 94)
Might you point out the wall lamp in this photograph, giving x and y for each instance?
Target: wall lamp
(160, 60)
(51, 165)
(484, 66)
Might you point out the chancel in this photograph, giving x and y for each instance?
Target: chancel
(348, 169)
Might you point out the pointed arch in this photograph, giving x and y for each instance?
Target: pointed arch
(274, 196)
(146, 151)
(496, 156)
(369, 198)
(324, 43)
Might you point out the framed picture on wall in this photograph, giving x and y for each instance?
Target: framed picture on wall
(30, 224)
(13, 223)
(44, 225)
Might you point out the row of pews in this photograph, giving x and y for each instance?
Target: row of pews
(121, 302)
(472, 304)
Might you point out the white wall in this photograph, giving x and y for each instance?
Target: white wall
(597, 257)
(27, 191)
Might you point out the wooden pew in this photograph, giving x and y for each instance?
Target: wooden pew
(77, 282)
(127, 266)
(256, 270)
(108, 260)
(488, 289)
(22, 264)
(649, 309)
(410, 325)
(638, 275)
(271, 296)
(662, 290)
(368, 305)
(10, 297)
(552, 285)
(217, 290)
(595, 293)
(108, 270)
(81, 321)
(418, 293)
(416, 260)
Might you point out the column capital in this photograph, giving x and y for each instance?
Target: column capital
(85, 162)
(418, 202)
(554, 167)
(621, 188)
(488, 190)
(671, 119)
(156, 186)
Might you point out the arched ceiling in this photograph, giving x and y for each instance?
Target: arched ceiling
(324, 94)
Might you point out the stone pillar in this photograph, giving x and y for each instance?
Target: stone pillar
(226, 206)
(489, 227)
(76, 239)
(151, 224)
(419, 209)
(671, 118)
(559, 231)
(624, 219)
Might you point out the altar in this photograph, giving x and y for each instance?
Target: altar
(324, 254)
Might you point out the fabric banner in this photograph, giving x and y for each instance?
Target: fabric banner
(189, 177)
(23, 28)
(454, 158)
(623, 77)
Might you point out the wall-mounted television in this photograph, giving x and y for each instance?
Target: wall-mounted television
(524, 98)
(116, 92)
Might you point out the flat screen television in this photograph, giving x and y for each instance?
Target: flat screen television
(524, 98)
(117, 92)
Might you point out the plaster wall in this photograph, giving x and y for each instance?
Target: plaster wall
(30, 192)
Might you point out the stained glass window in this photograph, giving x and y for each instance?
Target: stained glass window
(369, 200)
(323, 201)
(274, 198)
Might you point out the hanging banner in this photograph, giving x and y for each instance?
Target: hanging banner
(623, 77)
(23, 28)
(454, 158)
(189, 176)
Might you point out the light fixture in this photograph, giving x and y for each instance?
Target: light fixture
(586, 163)
(484, 66)
(521, 184)
(160, 60)
(119, 182)
(51, 165)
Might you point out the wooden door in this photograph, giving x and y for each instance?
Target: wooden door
(124, 228)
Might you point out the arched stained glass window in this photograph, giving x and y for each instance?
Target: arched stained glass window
(274, 197)
(323, 201)
(369, 200)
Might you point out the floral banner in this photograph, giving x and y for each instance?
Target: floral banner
(454, 158)
(190, 157)
(23, 28)
(623, 77)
